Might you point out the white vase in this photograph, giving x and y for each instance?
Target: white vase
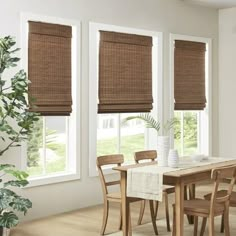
(173, 158)
(163, 146)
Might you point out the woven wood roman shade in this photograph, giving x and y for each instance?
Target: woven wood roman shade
(49, 68)
(189, 75)
(125, 73)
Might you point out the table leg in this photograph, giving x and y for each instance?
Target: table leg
(179, 209)
(124, 204)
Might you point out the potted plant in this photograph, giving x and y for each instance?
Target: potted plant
(16, 122)
(163, 143)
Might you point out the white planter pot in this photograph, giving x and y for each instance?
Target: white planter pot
(163, 146)
(4, 232)
(173, 158)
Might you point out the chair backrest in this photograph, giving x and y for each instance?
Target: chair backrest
(117, 160)
(145, 155)
(219, 175)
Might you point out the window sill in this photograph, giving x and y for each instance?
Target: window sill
(52, 179)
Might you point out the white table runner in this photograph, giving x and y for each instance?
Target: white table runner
(147, 182)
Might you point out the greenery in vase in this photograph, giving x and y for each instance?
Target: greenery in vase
(152, 123)
(16, 123)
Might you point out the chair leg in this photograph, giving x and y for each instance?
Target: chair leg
(222, 227)
(226, 222)
(195, 225)
(156, 206)
(186, 188)
(186, 198)
(192, 191)
(130, 223)
(174, 225)
(153, 217)
(105, 217)
(141, 212)
(211, 226)
(167, 212)
(120, 227)
(204, 221)
(191, 196)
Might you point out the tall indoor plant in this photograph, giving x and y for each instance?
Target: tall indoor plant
(16, 122)
(162, 140)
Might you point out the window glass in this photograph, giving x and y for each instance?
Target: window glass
(190, 133)
(47, 146)
(116, 136)
(132, 136)
(107, 134)
(56, 140)
(186, 132)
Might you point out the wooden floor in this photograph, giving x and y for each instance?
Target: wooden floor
(87, 222)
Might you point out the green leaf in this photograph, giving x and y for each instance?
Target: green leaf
(21, 204)
(14, 59)
(6, 197)
(152, 123)
(2, 82)
(20, 175)
(8, 219)
(16, 183)
(15, 50)
(169, 124)
(3, 139)
(4, 202)
(148, 119)
(6, 166)
(7, 192)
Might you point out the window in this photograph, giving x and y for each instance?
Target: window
(192, 130)
(108, 133)
(115, 136)
(51, 154)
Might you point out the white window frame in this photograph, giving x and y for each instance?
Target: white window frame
(93, 84)
(73, 171)
(205, 131)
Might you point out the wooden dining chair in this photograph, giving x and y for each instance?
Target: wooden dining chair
(220, 194)
(108, 196)
(151, 155)
(216, 206)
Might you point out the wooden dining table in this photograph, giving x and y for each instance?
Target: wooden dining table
(177, 178)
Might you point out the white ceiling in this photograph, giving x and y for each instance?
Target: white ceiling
(214, 3)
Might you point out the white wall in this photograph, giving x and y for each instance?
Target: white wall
(168, 16)
(227, 82)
